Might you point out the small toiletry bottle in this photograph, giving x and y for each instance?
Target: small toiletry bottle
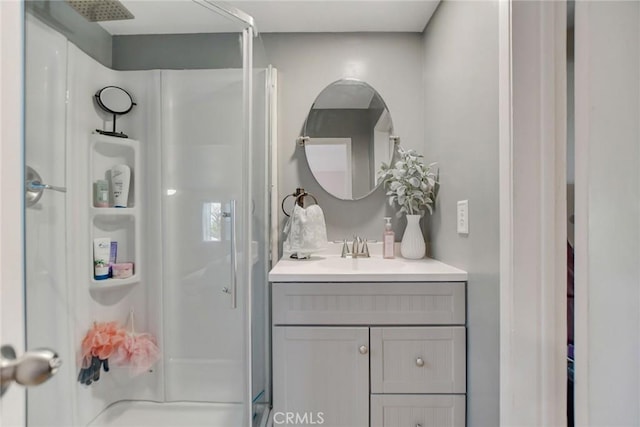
(388, 239)
(101, 194)
(113, 256)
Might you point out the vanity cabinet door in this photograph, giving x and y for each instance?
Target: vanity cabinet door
(322, 374)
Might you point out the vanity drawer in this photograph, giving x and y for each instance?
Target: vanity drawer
(400, 410)
(405, 303)
(418, 360)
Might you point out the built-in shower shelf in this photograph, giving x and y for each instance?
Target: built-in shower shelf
(121, 225)
(103, 285)
(114, 211)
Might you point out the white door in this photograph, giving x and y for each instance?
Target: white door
(12, 404)
(321, 374)
(38, 229)
(607, 206)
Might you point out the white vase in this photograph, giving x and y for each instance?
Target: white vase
(413, 246)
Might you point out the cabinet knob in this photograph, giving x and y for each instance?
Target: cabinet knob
(418, 425)
(419, 362)
(363, 349)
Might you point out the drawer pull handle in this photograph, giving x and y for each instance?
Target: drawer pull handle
(419, 362)
(363, 349)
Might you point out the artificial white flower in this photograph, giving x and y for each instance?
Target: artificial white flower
(410, 184)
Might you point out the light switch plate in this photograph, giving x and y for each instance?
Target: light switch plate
(463, 217)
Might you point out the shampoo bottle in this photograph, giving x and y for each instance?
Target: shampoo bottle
(120, 177)
(388, 239)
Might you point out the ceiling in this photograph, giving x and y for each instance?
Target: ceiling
(276, 16)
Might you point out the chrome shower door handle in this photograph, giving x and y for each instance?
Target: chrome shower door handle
(234, 254)
(33, 186)
(38, 186)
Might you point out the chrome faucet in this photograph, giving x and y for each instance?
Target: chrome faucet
(359, 248)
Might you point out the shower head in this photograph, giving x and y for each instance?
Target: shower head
(101, 10)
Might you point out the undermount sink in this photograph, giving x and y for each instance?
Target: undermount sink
(377, 263)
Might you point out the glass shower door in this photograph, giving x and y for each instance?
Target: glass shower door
(204, 257)
(48, 311)
(263, 78)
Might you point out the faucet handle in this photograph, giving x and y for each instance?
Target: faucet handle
(355, 249)
(364, 250)
(345, 249)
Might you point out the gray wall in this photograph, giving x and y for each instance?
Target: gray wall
(90, 37)
(461, 133)
(177, 51)
(307, 63)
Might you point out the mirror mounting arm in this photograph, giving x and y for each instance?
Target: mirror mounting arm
(302, 140)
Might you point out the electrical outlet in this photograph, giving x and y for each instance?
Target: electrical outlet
(463, 217)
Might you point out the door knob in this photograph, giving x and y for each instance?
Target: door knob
(32, 368)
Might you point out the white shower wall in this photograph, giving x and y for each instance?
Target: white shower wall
(204, 331)
(85, 78)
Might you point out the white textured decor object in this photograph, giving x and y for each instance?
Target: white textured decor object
(413, 186)
(413, 246)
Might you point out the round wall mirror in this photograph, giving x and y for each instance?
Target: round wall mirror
(114, 100)
(347, 136)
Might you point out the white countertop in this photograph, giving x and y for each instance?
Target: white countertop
(328, 266)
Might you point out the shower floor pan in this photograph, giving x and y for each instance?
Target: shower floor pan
(174, 414)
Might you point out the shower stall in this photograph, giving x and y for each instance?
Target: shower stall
(196, 227)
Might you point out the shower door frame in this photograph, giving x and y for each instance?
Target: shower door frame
(249, 31)
(247, 86)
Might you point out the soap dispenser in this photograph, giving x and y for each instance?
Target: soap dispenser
(388, 239)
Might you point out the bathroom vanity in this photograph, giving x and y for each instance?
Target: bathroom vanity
(368, 341)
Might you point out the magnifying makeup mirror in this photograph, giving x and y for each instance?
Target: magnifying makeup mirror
(116, 101)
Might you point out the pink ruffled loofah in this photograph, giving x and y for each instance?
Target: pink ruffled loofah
(139, 351)
(101, 341)
(107, 341)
